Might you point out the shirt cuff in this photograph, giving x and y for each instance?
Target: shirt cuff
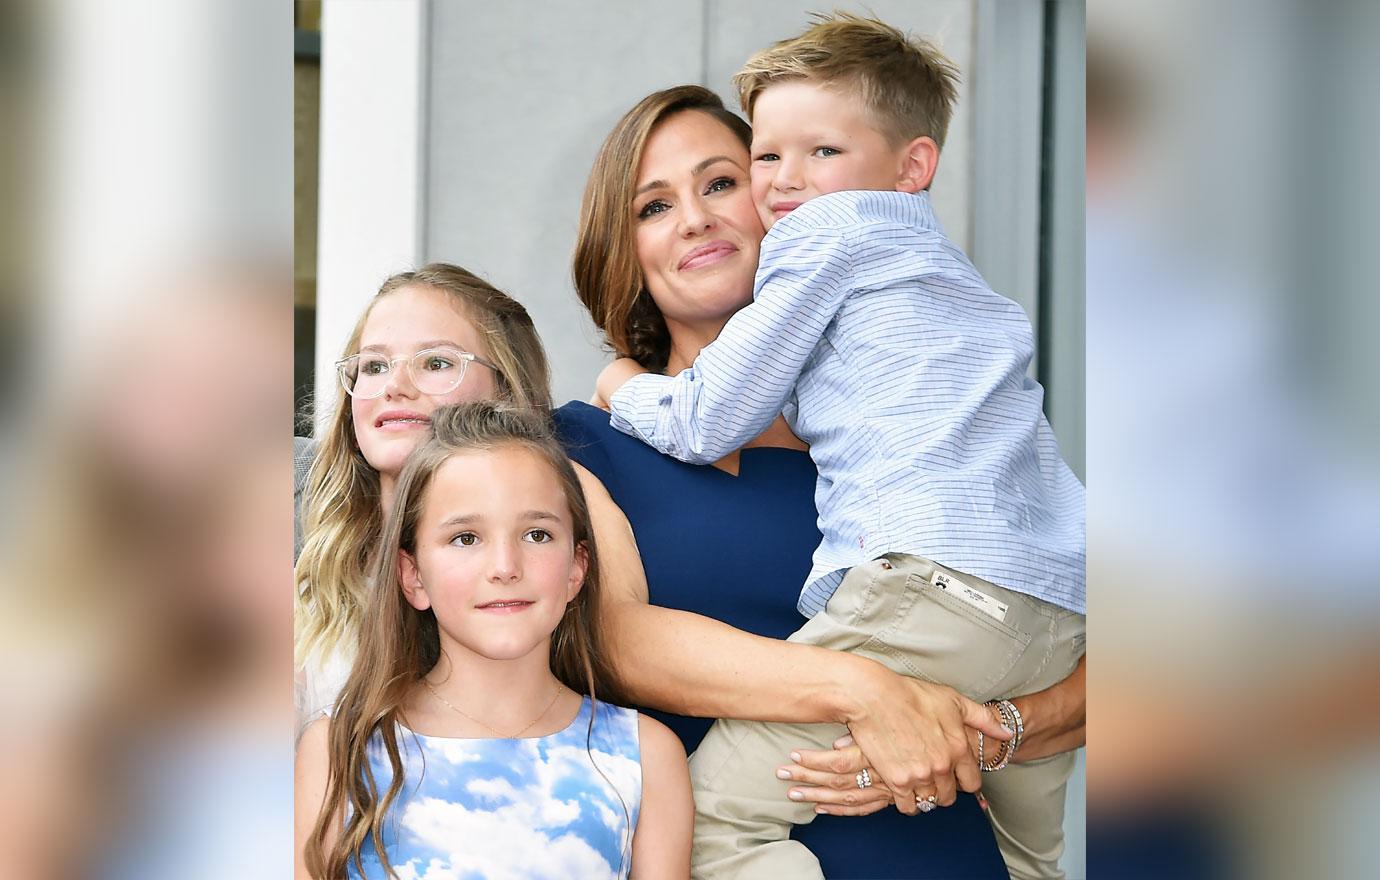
(635, 406)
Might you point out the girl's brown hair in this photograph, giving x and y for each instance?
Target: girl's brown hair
(608, 278)
(341, 516)
(400, 644)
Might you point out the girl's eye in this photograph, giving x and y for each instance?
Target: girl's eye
(373, 367)
(436, 364)
(827, 152)
(721, 184)
(465, 539)
(652, 208)
(767, 157)
(539, 536)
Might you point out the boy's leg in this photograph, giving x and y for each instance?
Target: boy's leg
(1027, 800)
(928, 621)
(742, 815)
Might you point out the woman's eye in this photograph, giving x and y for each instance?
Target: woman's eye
(826, 152)
(652, 208)
(539, 536)
(721, 184)
(465, 539)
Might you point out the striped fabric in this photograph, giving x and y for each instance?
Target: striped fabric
(905, 373)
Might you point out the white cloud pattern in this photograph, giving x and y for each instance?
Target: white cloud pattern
(533, 809)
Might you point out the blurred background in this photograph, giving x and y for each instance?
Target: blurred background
(146, 243)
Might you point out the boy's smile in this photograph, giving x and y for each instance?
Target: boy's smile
(810, 139)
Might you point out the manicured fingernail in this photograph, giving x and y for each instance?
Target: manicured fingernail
(783, 773)
(795, 756)
(797, 795)
(821, 810)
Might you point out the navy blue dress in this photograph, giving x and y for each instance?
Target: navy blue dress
(738, 549)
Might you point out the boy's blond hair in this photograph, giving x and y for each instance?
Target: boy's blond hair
(907, 84)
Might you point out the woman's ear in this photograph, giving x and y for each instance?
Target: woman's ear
(411, 580)
(579, 567)
(919, 161)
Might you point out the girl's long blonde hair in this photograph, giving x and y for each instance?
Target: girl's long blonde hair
(402, 644)
(340, 512)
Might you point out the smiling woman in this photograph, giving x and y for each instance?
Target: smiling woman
(420, 326)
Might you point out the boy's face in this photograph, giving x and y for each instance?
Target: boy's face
(808, 140)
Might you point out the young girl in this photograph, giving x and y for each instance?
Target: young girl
(472, 738)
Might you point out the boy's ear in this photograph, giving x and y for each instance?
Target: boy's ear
(579, 567)
(411, 580)
(919, 161)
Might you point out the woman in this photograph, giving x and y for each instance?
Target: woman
(428, 338)
(667, 251)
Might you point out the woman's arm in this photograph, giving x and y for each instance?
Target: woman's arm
(661, 841)
(309, 790)
(1055, 718)
(913, 731)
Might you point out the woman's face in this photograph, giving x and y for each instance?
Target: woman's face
(412, 318)
(697, 229)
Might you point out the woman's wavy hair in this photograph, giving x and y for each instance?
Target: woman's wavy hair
(402, 644)
(608, 278)
(341, 518)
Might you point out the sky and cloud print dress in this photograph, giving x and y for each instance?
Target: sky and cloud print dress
(544, 808)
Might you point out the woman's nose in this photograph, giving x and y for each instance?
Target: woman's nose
(694, 218)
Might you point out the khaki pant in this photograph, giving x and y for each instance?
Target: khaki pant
(895, 611)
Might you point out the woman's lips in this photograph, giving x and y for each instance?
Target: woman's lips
(706, 255)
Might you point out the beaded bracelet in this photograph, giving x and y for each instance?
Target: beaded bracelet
(1011, 718)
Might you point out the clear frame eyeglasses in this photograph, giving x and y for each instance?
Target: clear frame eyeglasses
(432, 371)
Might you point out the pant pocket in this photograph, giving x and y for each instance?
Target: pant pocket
(942, 638)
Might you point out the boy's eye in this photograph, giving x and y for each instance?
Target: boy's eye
(720, 184)
(826, 152)
(465, 539)
(767, 157)
(539, 536)
(652, 208)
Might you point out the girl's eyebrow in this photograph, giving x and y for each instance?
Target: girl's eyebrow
(430, 343)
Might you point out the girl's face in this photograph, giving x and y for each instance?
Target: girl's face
(495, 558)
(410, 319)
(697, 229)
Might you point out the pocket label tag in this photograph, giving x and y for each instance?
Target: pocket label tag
(969, 596)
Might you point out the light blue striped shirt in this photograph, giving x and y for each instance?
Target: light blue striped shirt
(906, 375)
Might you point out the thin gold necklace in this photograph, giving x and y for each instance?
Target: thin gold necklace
(487, 727)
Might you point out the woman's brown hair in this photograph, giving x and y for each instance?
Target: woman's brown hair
(608, 278)
(400, 644)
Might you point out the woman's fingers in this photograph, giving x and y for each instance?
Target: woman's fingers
(828, 779)
(845, 760)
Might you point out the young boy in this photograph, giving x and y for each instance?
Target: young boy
(939, 477)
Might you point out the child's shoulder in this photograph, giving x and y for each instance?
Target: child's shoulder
(659, 743)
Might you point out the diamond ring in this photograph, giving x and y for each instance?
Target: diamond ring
(925, 804)
(864, 778)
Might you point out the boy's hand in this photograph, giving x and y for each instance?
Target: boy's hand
(612, 378)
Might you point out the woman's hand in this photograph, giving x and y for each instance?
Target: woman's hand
(829, 780)
(915, 734)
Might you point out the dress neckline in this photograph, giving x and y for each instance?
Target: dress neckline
(585, 708)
